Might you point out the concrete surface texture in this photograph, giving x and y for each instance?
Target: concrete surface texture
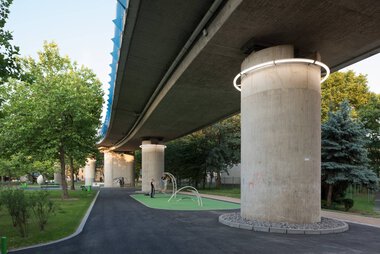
(152, 164)
(108, 169)
(280, 139)
(57, 178)
(118, 165)
(89, 172)
(199, 91)
(129, 169)
(118, 224)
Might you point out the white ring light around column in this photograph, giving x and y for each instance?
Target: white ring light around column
(152, 145)
(278, 62)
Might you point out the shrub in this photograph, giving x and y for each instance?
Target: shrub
(7, 201)
(42, 207)
(17, 204)
(348, 203)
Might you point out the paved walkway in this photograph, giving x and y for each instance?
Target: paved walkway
(119, 224)
(353, 218)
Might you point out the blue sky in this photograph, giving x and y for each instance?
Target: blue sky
(83, 30)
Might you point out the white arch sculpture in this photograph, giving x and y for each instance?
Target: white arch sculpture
(193, 190)
(174, 181)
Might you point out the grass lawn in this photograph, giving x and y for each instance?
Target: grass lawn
(363, 204)
(183, 202)
(64, 222)
(229, 192)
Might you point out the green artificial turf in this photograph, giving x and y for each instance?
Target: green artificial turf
(183, 203)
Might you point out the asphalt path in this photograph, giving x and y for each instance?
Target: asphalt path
(119, 224)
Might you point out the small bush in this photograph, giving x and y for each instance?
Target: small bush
(17, 204)
(7, 201)
(348, 203)
(42, 207)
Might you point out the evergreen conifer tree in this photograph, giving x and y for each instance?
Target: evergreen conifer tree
(344, 153)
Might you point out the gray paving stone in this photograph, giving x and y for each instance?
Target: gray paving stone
(278, 230)
(261, 229)
(327, 231)
(325, 226)
(246, 226)
(341, 229)
(312, 232)
(234, 225)
(295, 231)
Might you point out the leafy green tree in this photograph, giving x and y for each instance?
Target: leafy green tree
(225, 142)
(186, 157)
(8, 52)
(18, 164)
(341, 86)
(212, 149)
(55, 114)
(344, 155)
(369, 114)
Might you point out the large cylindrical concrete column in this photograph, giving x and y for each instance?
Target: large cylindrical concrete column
(280, 139)
(117, 167)
(89, 172)
(153, 163)
(108, 169)
(57, 178)
(130, 170)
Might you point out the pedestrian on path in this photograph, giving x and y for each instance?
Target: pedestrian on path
(152, 189)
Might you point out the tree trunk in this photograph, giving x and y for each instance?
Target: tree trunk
(65, 193)
(211, 177)
(218, 180)
(329, 195)
(72, 173)
(204, 179)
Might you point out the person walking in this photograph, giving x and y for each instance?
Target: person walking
(152, 189)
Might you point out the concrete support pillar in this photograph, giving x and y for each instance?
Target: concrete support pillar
(130, 170)
(280, 139)
(108, 169)
(153, 163)
(118, 165)
(89, 172)
(57, 178)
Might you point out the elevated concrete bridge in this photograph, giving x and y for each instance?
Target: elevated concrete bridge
(174, 63)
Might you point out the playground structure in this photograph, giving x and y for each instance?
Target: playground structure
(174, 181)
(193, 190)
(175, 191)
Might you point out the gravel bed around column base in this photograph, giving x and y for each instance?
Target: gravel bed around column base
(326, 226)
